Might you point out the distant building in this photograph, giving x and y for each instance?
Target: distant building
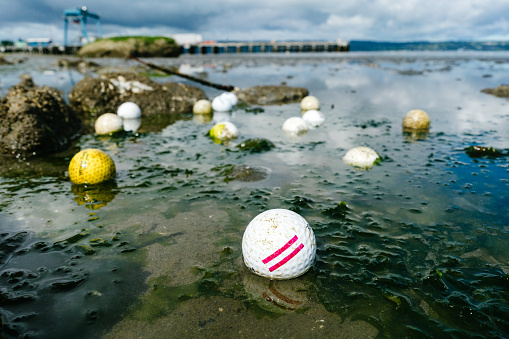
(186, 39)
(39, 42)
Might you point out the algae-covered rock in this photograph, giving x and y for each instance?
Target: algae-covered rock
(82, 66)
(121, 47)
(96, 96)
(271, 95)
(501, 91)
(36, 120)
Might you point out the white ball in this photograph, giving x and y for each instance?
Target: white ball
(131, 125)
(313, 118)
(129, 110)
(108, 123)
(221, 104)
(295, 126)
(231, 97)
(309, 102)
(279, 244)
(363, 157)
(202, 106)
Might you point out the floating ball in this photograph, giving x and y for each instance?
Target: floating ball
(91, 166)
(416, 119)
(363, 157)
(279, 244)
(231, 97)
(221, 104)
(313, 118)
(295, 126)
(224, 131)
(129, 110)
(309, 102)
(202, 106)
(108, 123)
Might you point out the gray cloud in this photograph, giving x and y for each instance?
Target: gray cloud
(382, 20)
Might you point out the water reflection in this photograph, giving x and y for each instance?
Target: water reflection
(95, 197)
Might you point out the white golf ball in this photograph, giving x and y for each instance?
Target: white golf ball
(108, 123)
(363, 157)
(202, 106)
(279, 244)
(313, 118)
(231, 97)
(129, 110)
(221, 104)
(309, 102)
(295, 126)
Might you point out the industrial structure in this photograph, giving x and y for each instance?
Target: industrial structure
(80, 16)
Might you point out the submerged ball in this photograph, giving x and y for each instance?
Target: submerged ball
(129, 110)
(313, 118)
(221, 104)
(202, 106)
(91, 166)
(363, 157)
(108, 123)
(224, 131)
(309, 102)
(416, 119)
(279, 244)
(294, 127)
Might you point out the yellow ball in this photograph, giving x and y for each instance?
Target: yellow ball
(416, 119)
(91, 166)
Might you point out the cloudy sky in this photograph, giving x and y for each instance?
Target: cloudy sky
(379, 20)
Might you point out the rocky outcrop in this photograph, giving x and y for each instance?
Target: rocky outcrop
(96, 96)
(271, 95)
(82, 66)
(501, 91)
(35, 120)
(121, 47)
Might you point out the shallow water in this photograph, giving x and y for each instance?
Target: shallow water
(421, 250)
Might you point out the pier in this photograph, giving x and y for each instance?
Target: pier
(212, 47)
(206, 47)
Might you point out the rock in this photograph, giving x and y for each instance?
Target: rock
(121, 47)
(271, 95)
(500, 91)
(81, 65)
(96, 96)
(4, 62)
(36, 120)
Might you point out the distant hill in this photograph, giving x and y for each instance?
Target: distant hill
(358, 45)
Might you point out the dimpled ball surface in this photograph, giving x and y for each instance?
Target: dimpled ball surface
(313, 118)
(416, 119)
(363, 157)
(129, 110)
(279, 244)
(309, 102)
(108, 123)
(295, 126)
(221, 104)
(224, 131)
(202, 106)
(91, 166)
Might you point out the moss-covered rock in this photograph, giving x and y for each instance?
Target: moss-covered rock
(121, 47)
(36, 120)
(96, 96)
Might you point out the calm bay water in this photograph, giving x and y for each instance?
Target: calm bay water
(421, 251)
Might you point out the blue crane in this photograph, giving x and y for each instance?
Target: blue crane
(81, 16)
